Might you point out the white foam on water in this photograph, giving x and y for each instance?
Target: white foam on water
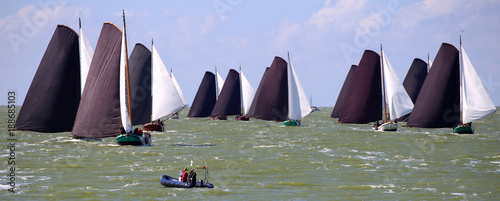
(458, 194)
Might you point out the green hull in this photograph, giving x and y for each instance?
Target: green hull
(463, 130)
(130, 140)
(291, 123)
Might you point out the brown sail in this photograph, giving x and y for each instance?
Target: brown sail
(54, 94)
(343, 92)
(438, 103)
(99, 111)
(271, 98)
(363, 102)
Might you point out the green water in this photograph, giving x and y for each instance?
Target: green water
(261, 160)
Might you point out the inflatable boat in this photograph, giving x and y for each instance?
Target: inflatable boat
(169, 181)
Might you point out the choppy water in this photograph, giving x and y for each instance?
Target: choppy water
(262, 160)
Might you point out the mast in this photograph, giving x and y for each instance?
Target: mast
(126, 69)
(461, 76)
(241, 95)
(152, 63)
(288, 83)
(383, 83)
(216, 83)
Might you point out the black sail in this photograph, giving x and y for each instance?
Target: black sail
(204, 100)
(414, 80)
(54, 94)
(99, 112)
(363, 102)
(229, 102)
(251, 111)
(140, 84)
(438, 103)
(271, 99)
(343, 92)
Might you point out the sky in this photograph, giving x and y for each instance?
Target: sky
(324, 37)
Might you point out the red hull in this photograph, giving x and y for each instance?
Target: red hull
(243, 118)
(152, 127)
(218, 118)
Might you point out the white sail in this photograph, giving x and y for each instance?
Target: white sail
(247, 92)
(476, 103)
(166, 99)
(298, 106)
(86, 54)
(123, 87)
(399, 102)
(429, 64)
(220, 81)
(176, 84)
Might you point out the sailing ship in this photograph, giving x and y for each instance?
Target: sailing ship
(52, 100)
(414, 80)
(298, 106)
(205, 98)
(313, 108)
(128, 137)
(229, 100)
(271, 99)
(343, 92)
(235, 97)
(104, 110)
(166, 100)
(395, 98)
(438, 103)
(475, 101)
(363, 101)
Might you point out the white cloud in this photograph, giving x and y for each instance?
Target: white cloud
(36, 17)
(285, 35)
(342, 15)
(4, 21)
(414, 14)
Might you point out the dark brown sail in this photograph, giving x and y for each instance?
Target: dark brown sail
(54, 94)
(363, 102)
(99, 112)
(229, 102)
(140, 84)
(251, 112)
(414, 80)
(343, 92)
(271, 99)
(438, 103)
(204, 101)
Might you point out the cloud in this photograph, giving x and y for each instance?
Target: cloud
(287, 32)
(412, 15)
(341, 15)
(4, 21)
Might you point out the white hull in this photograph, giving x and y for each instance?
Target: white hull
(389, 126)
